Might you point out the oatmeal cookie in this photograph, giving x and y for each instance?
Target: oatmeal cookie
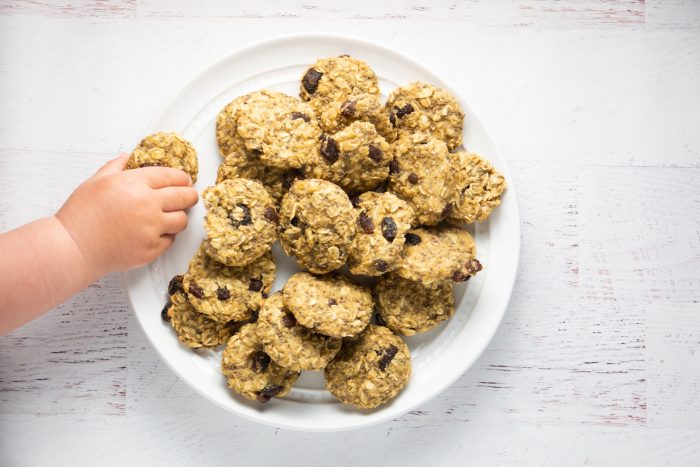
(420, 107)
(241, 221)
(382, 221)
(362, 108)
(479, 188)
(289, 344)
(194, 329)
(370, 369)
(166, 150)
(283, 131)
(226, 293)
(331, 305)
(250, 371)
(356, 158)
(317, 225)
(335, 79)
(244, 165)
(433, 255)
(227, 137)
(421, 174)
(408, 307)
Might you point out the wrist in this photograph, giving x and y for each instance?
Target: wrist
(74, 254)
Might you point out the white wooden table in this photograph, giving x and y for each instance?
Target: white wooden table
(597, 108)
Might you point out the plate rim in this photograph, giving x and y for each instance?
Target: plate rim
(509, 282)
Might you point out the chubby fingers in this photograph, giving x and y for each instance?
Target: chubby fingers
(159, 177)
(177, 198)
(115, 165)
(174, 222)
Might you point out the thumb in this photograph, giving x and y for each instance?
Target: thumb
(115, 165)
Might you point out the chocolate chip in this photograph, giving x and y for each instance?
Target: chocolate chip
(246, 220)
(311, 79)
(355, 201)
(255, 285)
(222, 293)
(329, 149)
(365, 223)
(268, 392)
(164, 312)
(389, 229)
(380, 265)
(394, 167)
(458, 276)
(403, 111)
(473, 266)
(332, 302)
(175, 285)
(289, 320)
(196, 291)
(301, 115)
(388, 355)
(392, 118)
(271, 214)
(447, 210)
(348, 108)
(294, 221)
(412, 239)
(260, 361)
(375, 153)
(412, 178)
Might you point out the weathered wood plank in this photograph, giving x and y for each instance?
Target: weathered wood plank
(70, 8)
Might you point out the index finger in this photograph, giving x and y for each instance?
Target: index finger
(160, 177)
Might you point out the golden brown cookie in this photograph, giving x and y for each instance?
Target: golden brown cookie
(244, 165)
(165, 150)
(360, 108)
(479, 188)
(227, 137)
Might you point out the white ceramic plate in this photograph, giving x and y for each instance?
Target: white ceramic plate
(439, 357)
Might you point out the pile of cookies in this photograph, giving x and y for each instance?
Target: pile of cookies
(350, 186)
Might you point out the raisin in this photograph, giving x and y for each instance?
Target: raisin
(381, 265)
(365, 223)
(348, 108)
(196, 291)
(329, 149)
(413, 178)
(246, 220)
(271, 214)
(458, 276)
(394, 167)
(268, 392)
(164, 312)
(255, 285)
(387, 355)
(288, 320)
(392, 118)
(294, 221)
(311, 79)
(264, 295)
(260, 362)
(175, 285)
(412, 239)
(473, 266)
(332, 302)
(447, 210)
(403, 111)
(254, 314)
(375, 153)
(301, 115)
(222, 293)
(389, 229)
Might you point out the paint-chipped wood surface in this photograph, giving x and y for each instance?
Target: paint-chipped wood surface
(596, 106)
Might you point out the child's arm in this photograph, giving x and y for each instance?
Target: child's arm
(116, 220)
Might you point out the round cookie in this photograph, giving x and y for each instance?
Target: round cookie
(370, 369)
(194, 329)
(241, 221)
(382, 221)
(289, 344)
(166, 150)
(333, 80)
(225, 293)
(479, 188)
(227, 137)
(421, 174)
(249, 370)
(356, 158)
(408, 307)
(283, 131)
(240, 165)
(431, 256)
(331, 305)
(362, 108)
(317, 225)
(421, 107)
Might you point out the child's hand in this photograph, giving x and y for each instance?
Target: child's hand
(121, 219)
